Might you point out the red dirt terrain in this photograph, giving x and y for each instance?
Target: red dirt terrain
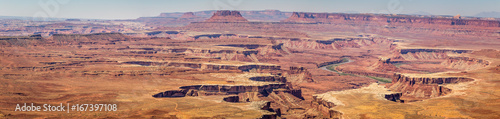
(310, 65)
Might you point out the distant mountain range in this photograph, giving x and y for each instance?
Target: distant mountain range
(258, 15)
(488, 14)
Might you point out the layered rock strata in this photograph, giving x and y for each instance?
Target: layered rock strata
(423, 87)
(226, 16)
(304, 17)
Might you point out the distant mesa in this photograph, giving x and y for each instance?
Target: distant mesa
(73, 20)
(300, 17)
(304, 17)
(226, 16)
(188, 15)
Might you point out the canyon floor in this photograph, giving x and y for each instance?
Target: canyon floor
(241, 69)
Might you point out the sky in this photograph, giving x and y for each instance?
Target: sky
(131, 9)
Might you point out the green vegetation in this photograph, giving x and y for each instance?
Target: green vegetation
(398, 64)
(344, 60)
(332, 68)
(381, 79)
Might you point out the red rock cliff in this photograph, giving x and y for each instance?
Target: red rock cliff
(303, 17)
(227, 16)
(188, 15)
(327, 17)
(417, 88)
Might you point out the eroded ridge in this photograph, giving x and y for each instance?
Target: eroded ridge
(418, 87)
(277, 95)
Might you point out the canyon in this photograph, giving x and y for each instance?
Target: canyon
(257, 64)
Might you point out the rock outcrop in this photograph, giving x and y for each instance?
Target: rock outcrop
(30, 37)
(465, 63)
(406, 51)
(336, 43)
(325, 108)
(232, 99)
(434, 55)
(418, 88)
(21, 40)
(262, 15)
(298, 75)
(209, 66)
(88, 39)
(384, 65)
(271, 98)
(303, 17)
(394, 97)
(400, 78)
(226, 16)
(269, 79)
(222, 90)
(188, 15)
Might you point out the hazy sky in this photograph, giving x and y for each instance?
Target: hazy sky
(131, 9)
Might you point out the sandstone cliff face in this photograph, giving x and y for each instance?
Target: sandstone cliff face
(219, 90)
(188, 15)
(96, 38)
(298, 75)
(428, 54)
(278, 99)
(384, 65)
(465, 63)
(424, 80)
(66, 39)
(394, 97)
(264, 15)
(20, 40)
(226, 16)
(232, 99)
(338, 43)
(423, 87)
(325, 108)
(233, 55)
(443, 21)
(30, 37)
(303, 17)
(327, 17)
(208, 66)
(269, 79)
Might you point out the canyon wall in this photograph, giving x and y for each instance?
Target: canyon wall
(465, 63)
(226, 16)
(297, 75)
(336, 43)
(199, 90)
(303, 17)
(419, 88)
(428, 54)
(21, 40)
(205, 66)
(324, 107)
